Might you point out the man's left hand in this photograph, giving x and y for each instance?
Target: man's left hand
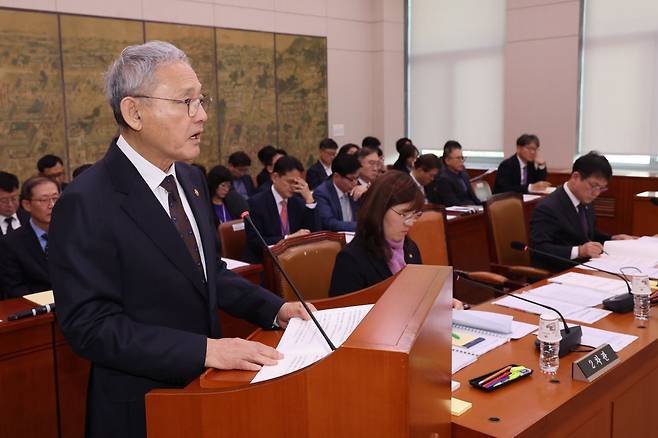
(293, 310)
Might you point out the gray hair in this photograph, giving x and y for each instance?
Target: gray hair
(132, 72)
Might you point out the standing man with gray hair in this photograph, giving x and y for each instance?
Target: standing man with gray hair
(134, 259)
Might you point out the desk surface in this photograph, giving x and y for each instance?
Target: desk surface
(533, 406)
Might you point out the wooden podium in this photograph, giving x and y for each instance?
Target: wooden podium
(391, 378)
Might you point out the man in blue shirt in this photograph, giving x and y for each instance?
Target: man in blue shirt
(24, 264)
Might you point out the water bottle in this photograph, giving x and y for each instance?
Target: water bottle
(641, 298)
(549, 343)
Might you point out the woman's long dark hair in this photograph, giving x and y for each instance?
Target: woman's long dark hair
(392, 188)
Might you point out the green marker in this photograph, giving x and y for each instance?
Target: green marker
(456, 336)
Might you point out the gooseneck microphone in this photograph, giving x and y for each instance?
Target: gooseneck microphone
(571, 336)
(298, 294)
(622, 303)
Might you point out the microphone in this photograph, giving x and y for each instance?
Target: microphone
(622, 303)
(479, 177)
(571, 336)
(298, 294)
(32, 312)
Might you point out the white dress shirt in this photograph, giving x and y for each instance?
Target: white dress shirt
(16, 224)
(153, 176)
(327, 169)
(576, 203)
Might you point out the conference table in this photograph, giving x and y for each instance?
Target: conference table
(43, 384)
(617, 404)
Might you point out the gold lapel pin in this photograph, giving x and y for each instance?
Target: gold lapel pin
(196, 193)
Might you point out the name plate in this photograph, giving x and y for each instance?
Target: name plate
(594, 364)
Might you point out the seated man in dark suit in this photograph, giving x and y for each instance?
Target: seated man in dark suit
(239, 164)
(452, 185)
(321, 170)
(524, 171)
(51, 166)
(23, 259)
(277, 212)
(338, 197)
(563, 223)
(426, 169)
(11, 216)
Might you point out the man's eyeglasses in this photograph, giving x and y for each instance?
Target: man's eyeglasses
(46, 199)
(351, 179)
(409, 218)
(460, 158)
(531, 148)
(595, 187)
(6, 200)
(192, 104)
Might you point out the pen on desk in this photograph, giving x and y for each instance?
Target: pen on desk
(32, 312)
(494, 376)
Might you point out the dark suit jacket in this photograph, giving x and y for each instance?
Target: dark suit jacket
(262, 178)
(248, 184)
(508, 176)
(356, 269)
(315, 175)
(555, 228)
(129, 296)
(265, 216)
(331, 215)
(23, 264)
(400, 165)
(449, 191)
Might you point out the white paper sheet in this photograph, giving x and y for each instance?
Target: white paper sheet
(591, 282)
(349, 235)
(596, 337)
(578, 296)
(490, 321)
(528, 198)
(232, 264)
(302, 344)
(521, 329)
(461, 360)
(569, 311)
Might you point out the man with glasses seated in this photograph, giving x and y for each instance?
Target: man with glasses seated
(339, 196)
(11, 217)
(24, 252)
(452, 186)
(371, 165)
(563, 223)
(523, 172)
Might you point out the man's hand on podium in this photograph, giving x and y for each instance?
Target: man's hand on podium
(239, 354)
(293, 310)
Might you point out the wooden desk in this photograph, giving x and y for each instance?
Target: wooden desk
(615, 405)
(644, 214)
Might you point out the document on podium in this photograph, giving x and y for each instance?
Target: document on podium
(302, 344)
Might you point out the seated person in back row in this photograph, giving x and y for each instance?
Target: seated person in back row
(381, 247)
(370, 165)
(239, 164)
(11, 217)
(338, 197)
(226, 202)
(267, 155)
(277, 213)
(426, 169)
(563, 223)
(524, 171)
(321, 170)
(24, 252)
(453, 186)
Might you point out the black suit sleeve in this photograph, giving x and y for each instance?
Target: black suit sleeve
(347, 275)
(315, 175)
(236, 204)
(446, 193)
(89, 296)
(545, 229)
(507, 181)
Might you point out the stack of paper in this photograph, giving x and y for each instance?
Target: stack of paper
(602, 284)
(568, 310)
(624, 255)
(302, 344)
(492, 322)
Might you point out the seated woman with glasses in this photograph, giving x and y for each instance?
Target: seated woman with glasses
(381, 247)
(228, 204)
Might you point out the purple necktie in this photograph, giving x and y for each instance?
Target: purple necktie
(582, 215)
(524, 176)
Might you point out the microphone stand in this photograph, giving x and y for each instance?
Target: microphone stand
(622, 303)
(245, 216)
(571, 336)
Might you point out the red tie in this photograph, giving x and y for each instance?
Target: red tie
(285, 228)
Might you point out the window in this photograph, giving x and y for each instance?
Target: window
(455, 75)
(619, 82)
